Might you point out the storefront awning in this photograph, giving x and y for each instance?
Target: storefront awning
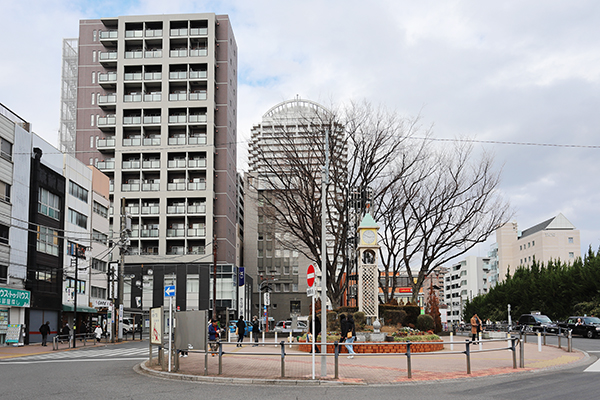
(69, 307)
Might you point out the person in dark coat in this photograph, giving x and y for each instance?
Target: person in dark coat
(349, 335)
(241, 331)
(316, 333)
(45, 330)
(255, 330)
(213, 335)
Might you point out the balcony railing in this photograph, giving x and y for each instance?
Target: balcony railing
(134, 54)
(153, 141)
(178, 75)
(134, 97)
(109, 120)
(151, 164)
(176, 209)
(178, 32)
(105, 165)
(146, 251)
(197, 139)
(197, 118)
(175, 232)
(134, 34)
(176, 140)
(107, 77)
(198, 52)
(196, 209)
(107, 99)
(178, 53)
(151, 186)
(153, 97)
(196, 232)
(198, 31)
(176, 186)
(112, 34)
(152, 119)
(131, 164)
(196, 250)
(134, 120)
(175, 119)
(149, 233)
(198, 95)
(176, 250)
(179, 163)
(105, 143)
(130, 187)
(132, 141)
(198, 74)
(153, 76)
(197, 163)
(150, 210)
(132, 210)
(177, 96)
(197, 186)
(132, 76)
(108, 56)
(154, 32)
(153, 53)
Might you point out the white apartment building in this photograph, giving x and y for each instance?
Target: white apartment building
(464, 280)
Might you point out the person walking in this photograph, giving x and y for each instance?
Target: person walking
(241, 331)
(348, 333)
(45, 330)
(255, 330)
(213, 335)
(98, 333)
(475, 326)
(316, 332)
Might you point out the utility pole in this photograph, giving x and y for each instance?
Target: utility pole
(324, 182)
(214, 313)
(75, 300)
(123, 248)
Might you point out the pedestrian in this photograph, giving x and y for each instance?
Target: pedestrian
(213, 335)
(255, 330)
(98, 333)
(45, 330)
(316, 333)
(349, 335)
(475, 326)
(241, 331)
(82, 330)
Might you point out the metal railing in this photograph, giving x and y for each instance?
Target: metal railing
(66, 341)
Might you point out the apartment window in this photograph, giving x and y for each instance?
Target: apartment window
(80, 285)
(295, 307)
(78, 191)
(528, 244)
(570, 240)
(571, 254)
(295, 288)
(5, 191)
(91, 120)
(94, 35)
(295, 269)
(99, 265)
(93, 77)
(47, 240)
(521, 247)
(3, 273)
(533, 242)
(91, 161)
(93, 60)
(193, 284)
(99, 237)
(4, 234)
(78, 219)
(93, 99)
(100, 209)
(6, 149)
(529, 258)
(49, 204)
(98, 292)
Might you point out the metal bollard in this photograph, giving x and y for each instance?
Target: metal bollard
(468, 353)
(291, 339)
(570, 342)
(282, 358)
(522, 355)
(408, 361)
(514, 351)
(559, 336)
(275, 338)
(220, 358)
(480, 337)
(336, 357)
(539, 341)
(544, 336)
(451, 341)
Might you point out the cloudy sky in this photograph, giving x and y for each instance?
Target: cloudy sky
(509, 71)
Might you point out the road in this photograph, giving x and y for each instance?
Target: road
(108, 372)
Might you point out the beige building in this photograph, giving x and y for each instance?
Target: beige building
(556, 238)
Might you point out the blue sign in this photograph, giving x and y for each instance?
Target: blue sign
(241, 276)
(169, 291)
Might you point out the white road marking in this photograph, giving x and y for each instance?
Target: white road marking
(595, 367)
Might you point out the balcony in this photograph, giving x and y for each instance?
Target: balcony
(177, 163)
(153, 96)
(196, 250)
(131, 164)
(107, 101)
(196, 232)
(137, 53)
(108, 58)
(132, 120)
(176, 250)
(109, 35)
(176, 209)
(178, 53)
(148, 251)
(178, 32)
(181, 96)
(198, 31)
(177, 119)
(178, 75)
(132, 76)
(149, 233)
(198, 74)
(107, 122)
(107, 79)
(151, 164)
(152, 76)
(151, 141)
(132, 210)
(151, 119)
(132, 97)
(156, 53)
(176, 232)
(197, 163)
(151, 186)
(105, 165)
(130, 187)
(196, 186)
(151, 210)
(199, 95)
(154, 32)
(134, 34)
(178, 140)
(197, 139)
(134, 141)
(105, 144)
(176, 186)
(203, 52)
(197, 118)
(196, 209)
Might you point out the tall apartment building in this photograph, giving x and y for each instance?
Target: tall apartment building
(271, 258)
(553, 239)
(157, 112)
(464, 280)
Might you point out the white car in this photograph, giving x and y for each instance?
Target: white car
(286, 326)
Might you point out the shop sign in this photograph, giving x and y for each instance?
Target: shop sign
(15, 297)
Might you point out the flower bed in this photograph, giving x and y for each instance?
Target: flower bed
(393, 347)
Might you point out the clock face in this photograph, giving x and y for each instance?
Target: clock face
(368, 237)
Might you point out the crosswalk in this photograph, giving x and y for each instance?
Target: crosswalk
(98, 354)
(595, 367)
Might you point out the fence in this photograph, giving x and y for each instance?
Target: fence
(66, 341)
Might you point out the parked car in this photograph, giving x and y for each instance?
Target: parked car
(536, 323)
(129, 325)
(584, 326)
(286, 326)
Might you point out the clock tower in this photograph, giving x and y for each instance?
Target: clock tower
(368, 273)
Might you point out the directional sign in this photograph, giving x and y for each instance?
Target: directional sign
(310, 275)
(170, 291)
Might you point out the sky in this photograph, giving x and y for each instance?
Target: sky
(508, 72)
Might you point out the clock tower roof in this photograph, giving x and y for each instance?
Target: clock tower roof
(368, 222)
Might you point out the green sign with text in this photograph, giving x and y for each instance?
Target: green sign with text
(15, 297)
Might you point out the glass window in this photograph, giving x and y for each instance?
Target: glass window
(80, 285)
(571, 254)
(48, 204)
(77, 218)
(100, 209)
(4, 234)
(98, 292)
(570, 240)
(78, 191)
(99, 265)
(193, 283)
(93, 60)
(6, 149)
(91, 120)
(47, 241)
(93, 77)
(5, 192)
(99, 237)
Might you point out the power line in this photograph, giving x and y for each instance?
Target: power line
(583, 146)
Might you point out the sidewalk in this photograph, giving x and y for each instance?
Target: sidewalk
(262, 364)
(37, 348)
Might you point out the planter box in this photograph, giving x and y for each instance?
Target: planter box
(396, 347)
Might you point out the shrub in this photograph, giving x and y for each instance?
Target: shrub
(417, 338)
(394, 317)
(333, 323)
(425, 322)
(360, 319)
(412, 313)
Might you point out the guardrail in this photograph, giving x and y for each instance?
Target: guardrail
(67, 340)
